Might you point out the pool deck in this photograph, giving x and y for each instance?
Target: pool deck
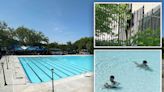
(18, 82)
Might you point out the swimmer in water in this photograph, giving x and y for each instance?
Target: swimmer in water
(113, 84)
(144, 65)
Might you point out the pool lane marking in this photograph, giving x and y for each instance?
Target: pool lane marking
(75, 66)
(82, 68)
(58, 69)
(65, 74)
(63, 68)
(25, 70)
(24, 61)
(34, 72)
(55, 67)
(39, 72)
(50, 70)
(50, 60)
(75, 72)
(41, 69)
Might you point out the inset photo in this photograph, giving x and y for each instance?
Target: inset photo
(128, 71)
(121, 24)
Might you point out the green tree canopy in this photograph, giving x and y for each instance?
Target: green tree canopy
(6, 35)
(107, 14)
(22, 36)
(29, 37)
(85, 43)
(25, 36)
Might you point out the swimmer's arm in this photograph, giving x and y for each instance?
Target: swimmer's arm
(115, 84)
(139, 65)
(148, 68)
(136, 63)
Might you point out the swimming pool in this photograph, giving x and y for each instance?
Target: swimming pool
(38, 69)
(121, 65)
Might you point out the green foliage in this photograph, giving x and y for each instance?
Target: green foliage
(6, 35)
(29, 37)
(26, 36)
(52, 45)
(148, 37)
(107, 14)
(22, 36)
(108, 43)
(84, 43)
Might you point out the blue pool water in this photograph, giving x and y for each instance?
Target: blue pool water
(131, 78)
(38, 69)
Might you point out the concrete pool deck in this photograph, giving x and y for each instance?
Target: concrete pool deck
(17, 81)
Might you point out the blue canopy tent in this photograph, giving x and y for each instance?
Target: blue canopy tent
(28, 50)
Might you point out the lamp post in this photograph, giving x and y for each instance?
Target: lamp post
(7, 62)
(4, 74)
(52, 70)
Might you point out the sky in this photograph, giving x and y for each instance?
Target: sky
(147, 6)
(60, 20)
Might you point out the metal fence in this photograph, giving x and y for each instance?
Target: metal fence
(143, 21)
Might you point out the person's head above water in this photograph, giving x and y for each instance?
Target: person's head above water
(111, 78)
(144, 62)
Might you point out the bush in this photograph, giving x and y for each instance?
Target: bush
(148, 37)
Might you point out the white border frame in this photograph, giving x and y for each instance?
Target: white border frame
(127, 46)
(160, 51)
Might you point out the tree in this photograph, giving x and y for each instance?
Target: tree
(85, 43)
(106, 14)
(6, 35)
(21, 36)
(109, 16)
(52, 45)
(29, 37)
(70, 46)
(26, 36)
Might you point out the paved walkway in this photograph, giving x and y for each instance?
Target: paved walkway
(17, 81)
